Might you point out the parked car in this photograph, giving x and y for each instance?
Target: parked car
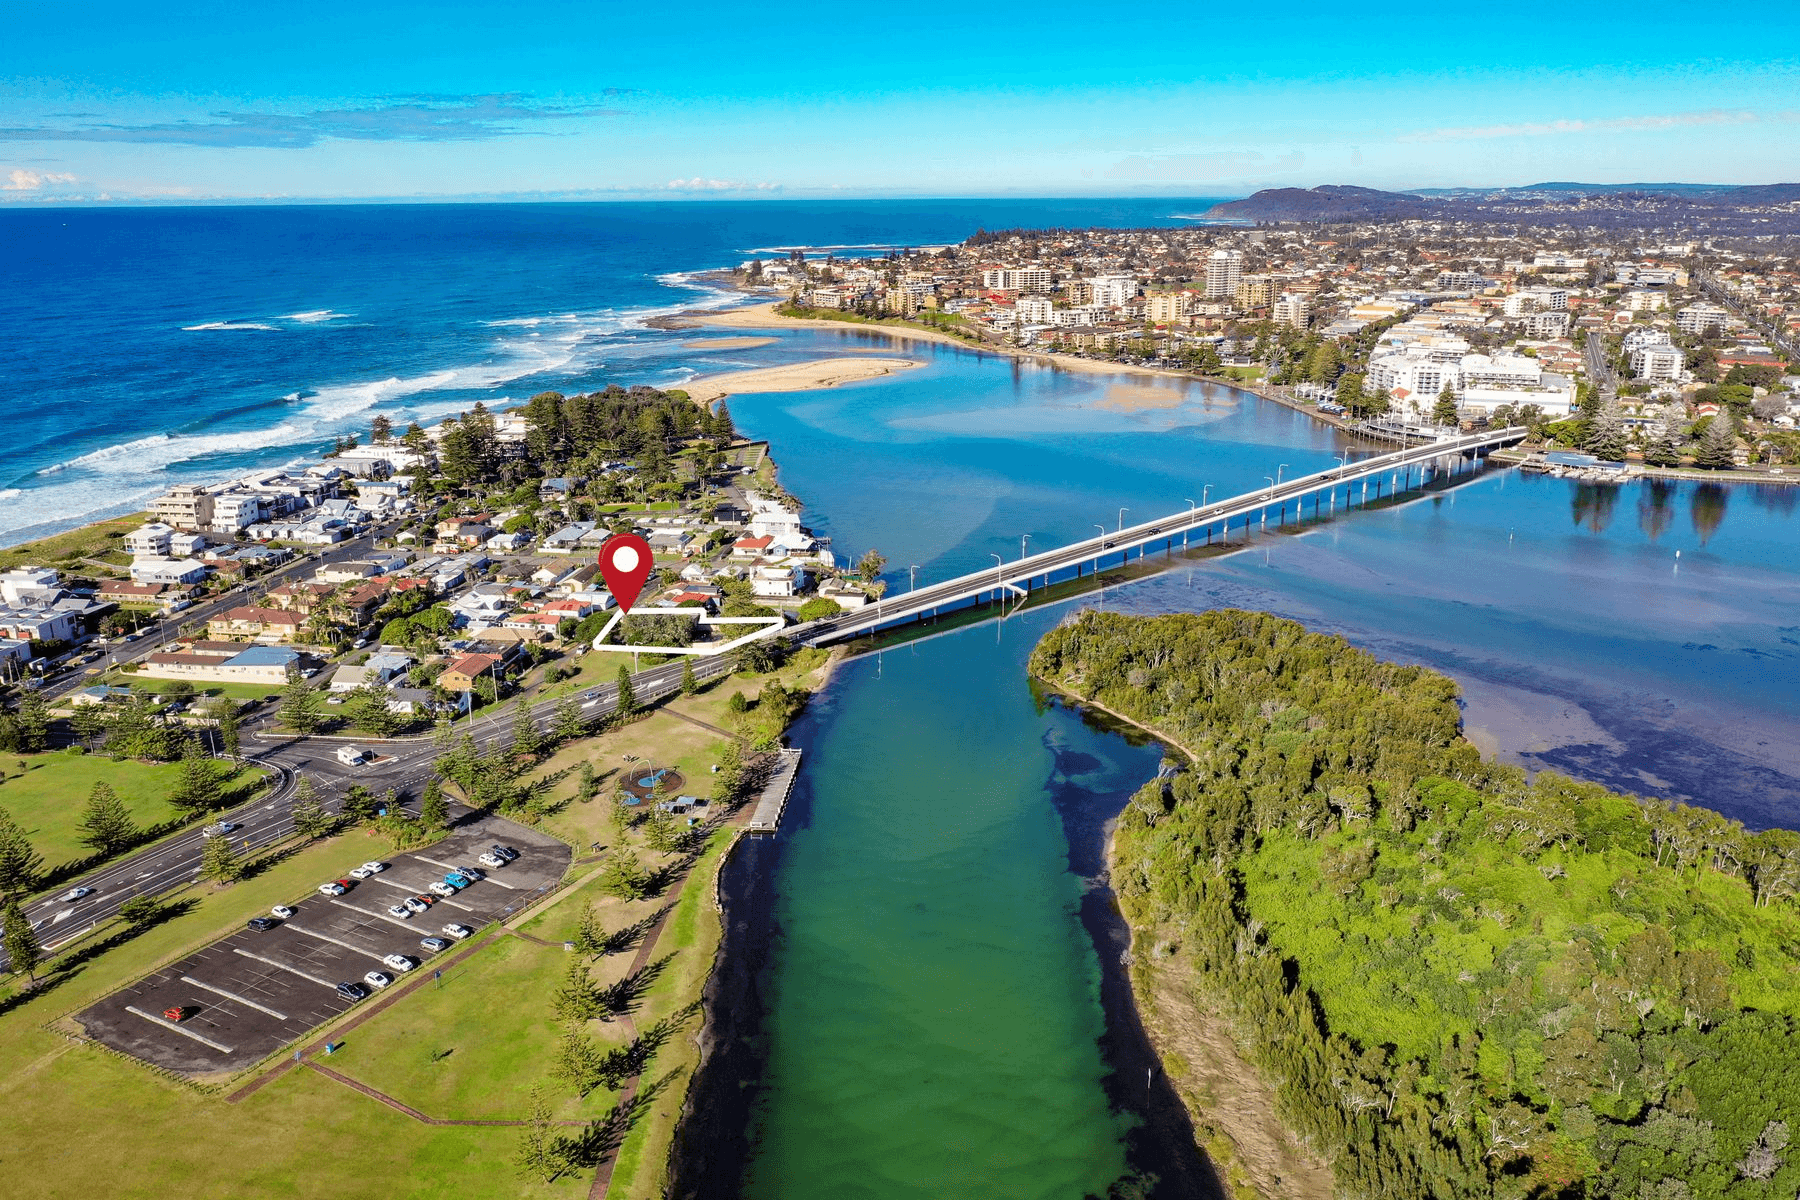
(458, 882)
(332, 889)
(417, 904)
(373, 867)
(401, 911)
(220, 828)
(439, 888)
(505, 852)
(262, 924)
(282, 911)
(377, 979)
(400, 962)
(80, 893)
(472, 874)
(434, 944)
(352, 991)
(459, 932)
(490, 859)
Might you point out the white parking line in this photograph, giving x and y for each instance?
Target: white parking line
(284, 967)
(363, 912)
(426, 891)
(326, 937)
(219, 991)
(135, 1011)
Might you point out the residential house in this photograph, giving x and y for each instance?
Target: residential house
(263, 624)
(463, 671)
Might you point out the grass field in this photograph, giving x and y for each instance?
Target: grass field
(45, 794)
(102, 1125)
(66, 550)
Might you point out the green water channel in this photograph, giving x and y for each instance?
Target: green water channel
(932, 1015)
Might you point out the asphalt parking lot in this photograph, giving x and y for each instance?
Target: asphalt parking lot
(249, 994)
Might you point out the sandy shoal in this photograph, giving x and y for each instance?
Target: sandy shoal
(730, 343)
(764, 316)
(796, 377)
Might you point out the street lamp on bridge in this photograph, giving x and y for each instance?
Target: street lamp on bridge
(1122, 513)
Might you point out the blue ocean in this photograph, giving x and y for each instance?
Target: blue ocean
(155, 345)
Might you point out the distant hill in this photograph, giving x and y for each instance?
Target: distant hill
(1706, 207)
(1332, 202)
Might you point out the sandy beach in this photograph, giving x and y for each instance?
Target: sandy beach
(796, 377)
(730, 343)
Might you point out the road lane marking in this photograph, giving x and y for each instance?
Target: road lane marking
(135, 1011)
(285, 967)
(326, 937)
(219, 991)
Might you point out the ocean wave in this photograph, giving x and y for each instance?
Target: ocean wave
(316, 316)
(229, 325)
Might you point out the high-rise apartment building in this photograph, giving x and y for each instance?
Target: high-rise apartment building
(1255, 291)
(1224, 270)
(1293, 309)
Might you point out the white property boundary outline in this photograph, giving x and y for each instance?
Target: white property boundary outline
(770, 625)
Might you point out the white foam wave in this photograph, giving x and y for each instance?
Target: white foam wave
(316, 316)
(229, 325)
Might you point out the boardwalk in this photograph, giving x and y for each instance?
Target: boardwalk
(773, 801)
(1349, 483)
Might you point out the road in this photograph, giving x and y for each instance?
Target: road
(404, 765)
(1599, 371)
(123, 652)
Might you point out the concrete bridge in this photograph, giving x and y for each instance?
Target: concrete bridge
(1348, 483)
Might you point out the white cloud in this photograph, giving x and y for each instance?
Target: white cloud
(1606, 125)
(21, 180)
(701, 184)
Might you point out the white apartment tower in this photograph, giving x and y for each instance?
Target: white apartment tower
(1293, 309)
(1224, 268)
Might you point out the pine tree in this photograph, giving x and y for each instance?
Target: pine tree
(689, 682)
(539, 1156)
(576, 999)
(1717, 444)
(219, 862)
(662, 832)
(1606, 438)
(359, 804)
(590, 935)
(627, 702)
(197, 789)
(525, 738)
(20, 864)
(230, 733)
(105, 824)
(1444, 411)
(623, 876)
(23, 953)
(580, 1062)
(566, 724)
(33, 723)
(301, 708)
(1664, 449)
(311, 820)
(434, 812)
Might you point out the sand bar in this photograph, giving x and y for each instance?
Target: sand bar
(730, 343)
(796, 377)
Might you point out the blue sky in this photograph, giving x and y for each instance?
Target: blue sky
(600, 99)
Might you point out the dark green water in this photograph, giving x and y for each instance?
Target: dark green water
(933, 1014)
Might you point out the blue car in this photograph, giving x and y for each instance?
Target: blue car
(459, 882)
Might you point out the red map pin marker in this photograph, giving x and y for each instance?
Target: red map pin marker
(625, 563)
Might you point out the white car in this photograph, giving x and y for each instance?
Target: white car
(440, 888)
(374, 867)
(376, 979)
(282, 911)
(401, 911)
(332, 889)
(459, 932)
(491, 860)
(80, 893)
(220, 828)
(399, 962)
(414, 904)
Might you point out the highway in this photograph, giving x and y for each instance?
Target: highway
(404, 764)
(1006, 576)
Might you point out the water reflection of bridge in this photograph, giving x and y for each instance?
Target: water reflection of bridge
(1349, 483)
